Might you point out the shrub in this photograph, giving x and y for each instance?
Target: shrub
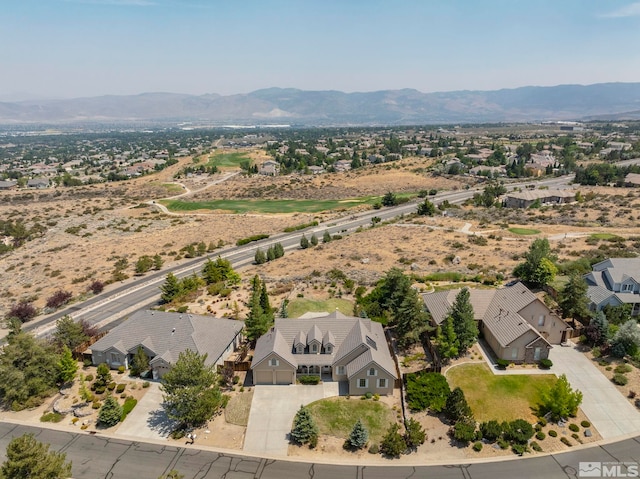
(89, 378)
(120, 369)
(503, 443)
(145, 384)
(128, 406)
(519, 449)
(59, 298)
(553, 433)
(542, 421)
(622, 369)
(120, 388)
(596, 352)
(574, 427)
(464, 430)
(427, 390)
(393, 444)
(51, 417)
(620, 379)
(519, 431)
(111, 386)
(374, 448)
(546, 363)
(566, 441)
(100, 389)
(477, 446)
(86, 363)
(491, 430)
(23, 311)
(250, 239)
(502, 363)
(540, 436)
(308, 379)
(575, 436)
(535, 446)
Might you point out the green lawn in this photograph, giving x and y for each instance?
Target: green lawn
(268, 206)
(603, 236)
(524, 231)
(503, 398)
(297, 307)
(227, 160)
(336, 416)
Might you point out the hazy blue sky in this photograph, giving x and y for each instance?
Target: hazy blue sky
(72, 48)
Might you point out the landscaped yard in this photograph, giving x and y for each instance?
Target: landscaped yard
(524, 231)
(604, 236)
(503, 398)
(237, 410)
(227, 160)
(297, 307)
(336, 416)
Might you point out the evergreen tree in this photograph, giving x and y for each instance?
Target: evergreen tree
(313, 240)
(304, 429)
(598, 329)
(389, 199)
(69, 333)
(393, 444)
(464, 430)
(260, 257)
(259, 319)
(326, 237)
(359, 436)
(574, 302)
(278, 249)
(283, 309)
(110, 413)
(67, 366)
(464, 323)
(456, 406)
(191, 391)
(414, 435)
(304, 242)
(157, 262)
(271, 253)
(27, 458)
(410, 319)
(427, 208)
(218, 271)
(103, 375)
(170, 289)
(447, 340)
(140, 362)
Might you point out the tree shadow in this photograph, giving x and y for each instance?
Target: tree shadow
(160, 423)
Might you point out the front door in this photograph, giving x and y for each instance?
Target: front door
(536, 354)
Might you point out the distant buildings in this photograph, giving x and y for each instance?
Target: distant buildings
(524, 199)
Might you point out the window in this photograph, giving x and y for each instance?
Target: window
(514, 353)
(371, 372)
(328, 349)
(115, 358)
(314, 348)
(541, 320)
(627, 287)
(363, 383)
(299, 349)
(382, 383)
(340, 370)
(273, 362)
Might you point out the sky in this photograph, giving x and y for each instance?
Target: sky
(79, 48)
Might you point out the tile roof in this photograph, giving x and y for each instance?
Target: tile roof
(169, 334)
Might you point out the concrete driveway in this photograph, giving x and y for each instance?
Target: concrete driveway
(147, 420)
(610, 412)
(272, 411)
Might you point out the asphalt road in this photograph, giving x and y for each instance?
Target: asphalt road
(109, 307)
(96, 456)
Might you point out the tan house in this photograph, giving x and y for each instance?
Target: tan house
(163, 336)
(334, 346)
(513, 321)
(524, 199)
(269, 168)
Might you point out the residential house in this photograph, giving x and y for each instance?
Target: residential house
(269, 168)
(8, 184)
(342, 165)
(615, 281)
(524, 199)
(632, 179)
(38, 183)
(515, 324)
(163, 336)
(334, 346)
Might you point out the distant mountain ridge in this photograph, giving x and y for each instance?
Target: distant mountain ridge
(386, 107)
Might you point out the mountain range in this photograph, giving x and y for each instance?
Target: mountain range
(617, 101)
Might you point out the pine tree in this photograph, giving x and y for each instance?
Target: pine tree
(326, 237)
(170, 289)
(260, 257)
(304, 242)
(271, 253)
(393, 443)
(304, 429)
(464, 323)
(29, 458)
(414, 435)
(103, 375)
(314, 240)
(411, 319)
(359, 436)
(427, 208)
(157, 262)
(456, 406)
(447, 340)
(278, 250)
(110, 412)
(598, 329)
(574, 302)
(260, 317)
(67, 366)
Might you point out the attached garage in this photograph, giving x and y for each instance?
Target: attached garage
(262, 377)
(284, 377)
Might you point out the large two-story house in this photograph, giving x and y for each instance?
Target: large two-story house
(334, 346)
(615, 281)
(516, 325)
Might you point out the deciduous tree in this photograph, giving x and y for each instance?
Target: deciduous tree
(560, 401)
(67, 366)
(574, 302)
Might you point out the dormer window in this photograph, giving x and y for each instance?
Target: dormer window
(299, 349)
(329, 349)
(314, 348)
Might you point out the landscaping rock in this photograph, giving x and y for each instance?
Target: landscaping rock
(415, 267)
(456, 260)
(83, 411)
(62, 408)
(588, 433)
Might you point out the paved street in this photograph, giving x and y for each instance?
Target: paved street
(272, 411)
(609, 411)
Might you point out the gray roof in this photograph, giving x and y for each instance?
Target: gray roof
(606, 274)
(498, 309)
(169, 334)
(620, 269)
(533, 195)
(346, 333)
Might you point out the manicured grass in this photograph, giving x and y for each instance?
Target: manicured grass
(227, 160)
(336, 416)
(237, 410)
(503, 398)
(298, 306)
(268, 206)
(524, 231)
(603, 236)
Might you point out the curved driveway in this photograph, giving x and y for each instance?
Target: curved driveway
(96, 456)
